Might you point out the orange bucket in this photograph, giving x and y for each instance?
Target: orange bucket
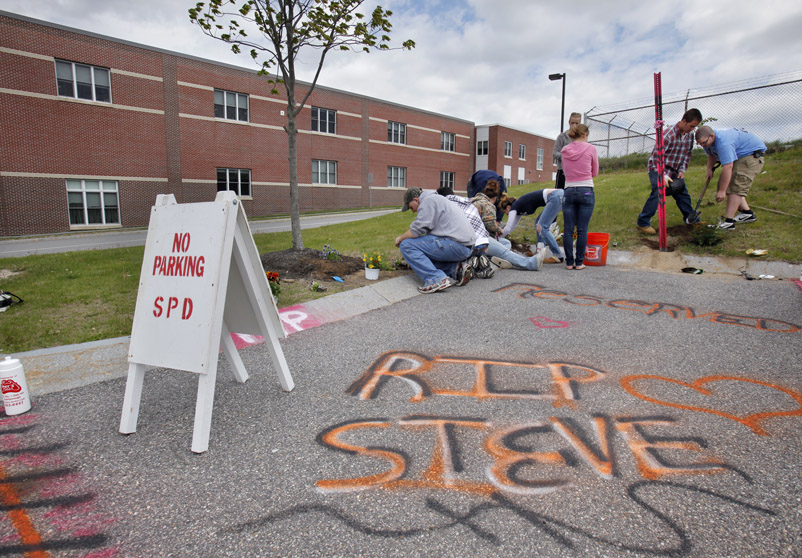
(596, 249)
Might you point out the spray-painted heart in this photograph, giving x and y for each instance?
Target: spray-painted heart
(752, 421)
(546, 323)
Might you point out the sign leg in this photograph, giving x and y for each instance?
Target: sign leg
(230, 350)
(133, 394)
(203, 411)
(280, 363)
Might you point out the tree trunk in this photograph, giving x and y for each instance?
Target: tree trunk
(295, 212)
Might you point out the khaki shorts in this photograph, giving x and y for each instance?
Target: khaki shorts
(744, 171)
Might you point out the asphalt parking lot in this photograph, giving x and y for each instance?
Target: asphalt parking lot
(604, 412)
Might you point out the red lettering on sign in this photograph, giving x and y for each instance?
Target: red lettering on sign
(172, 303)
(157, 306)
(187, 310)
(181, 242)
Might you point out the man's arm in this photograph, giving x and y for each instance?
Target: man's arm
(558, 145)
(723, 181)
(406, 235)
(711, 162)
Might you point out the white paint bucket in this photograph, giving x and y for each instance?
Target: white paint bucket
(14, 387)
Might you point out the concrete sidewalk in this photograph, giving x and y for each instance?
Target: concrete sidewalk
(60, 368)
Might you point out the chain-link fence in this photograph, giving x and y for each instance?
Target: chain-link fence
(768, 107)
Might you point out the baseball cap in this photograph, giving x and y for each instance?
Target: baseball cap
(410, 195)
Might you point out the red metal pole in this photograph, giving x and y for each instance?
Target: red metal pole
(660, 160)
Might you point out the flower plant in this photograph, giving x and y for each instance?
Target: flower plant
(373, 260)
(274, 281)
(329, 253)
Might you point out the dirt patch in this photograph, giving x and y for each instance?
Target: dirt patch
(6, 273)
(308, 264)
(305, 266)
(676, 236)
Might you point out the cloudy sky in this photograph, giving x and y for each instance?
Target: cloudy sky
(488, 61)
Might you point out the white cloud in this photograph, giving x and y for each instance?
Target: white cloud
(489, 60)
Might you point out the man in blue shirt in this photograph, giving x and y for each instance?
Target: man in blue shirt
(741, 155)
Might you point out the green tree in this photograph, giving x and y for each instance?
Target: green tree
(288, 27)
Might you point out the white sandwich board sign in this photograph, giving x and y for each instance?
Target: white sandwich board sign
(201, 279)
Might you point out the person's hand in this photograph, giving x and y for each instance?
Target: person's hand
(709, 175)
(398, 240)
(721, 196)
(681, 175)
(539, 228)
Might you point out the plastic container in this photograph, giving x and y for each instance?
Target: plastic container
(372, 273)
(596, 249)
(14, 387)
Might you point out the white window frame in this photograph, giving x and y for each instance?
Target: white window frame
(240, 103)
(539, 158)
(96, 76)
(234, 181)
(324, 120)
(508, 150)
(396, 177)
(522, 152)
(396, 132)
(325, 169)
(447, 179)
(482, 147)
(87, 188)
(448, 141)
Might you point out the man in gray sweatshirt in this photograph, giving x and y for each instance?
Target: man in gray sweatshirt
(561, 141)
(438, 241)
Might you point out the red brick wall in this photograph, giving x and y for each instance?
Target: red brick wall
(172, 139)
(497, 160)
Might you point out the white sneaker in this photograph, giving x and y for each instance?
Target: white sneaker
(541, 255)
(503, 264)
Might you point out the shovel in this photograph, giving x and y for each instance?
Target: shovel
(695, 217)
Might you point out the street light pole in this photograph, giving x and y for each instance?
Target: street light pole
(555, 77)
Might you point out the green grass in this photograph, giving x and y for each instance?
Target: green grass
(85, 296)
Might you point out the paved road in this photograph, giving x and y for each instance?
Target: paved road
(25, 246)
(605, 412)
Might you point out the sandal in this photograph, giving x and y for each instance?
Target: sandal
(570, 267)
(580, 266)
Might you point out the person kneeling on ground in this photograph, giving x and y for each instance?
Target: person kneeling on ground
(438, 241)
(500, 249)
(551, 199)
(479, 262)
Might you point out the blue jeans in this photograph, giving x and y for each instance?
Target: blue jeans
(501, 248)
(578, 206)
(683, 200)
(433, 257)
(554, 204)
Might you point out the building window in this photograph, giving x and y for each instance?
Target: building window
(447, 141)
(80, 81)
(397, 177)
(93, 202)
(230, 105)
(324, 120)
(396, 132)
(236, 180)
(481, 147)
(522, 152)
(447, 179)
(324, 172)
(508, 149)
(539, 158)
